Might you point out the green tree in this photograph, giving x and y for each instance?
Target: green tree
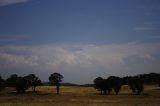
(98, 84)
(34, 81)
(19, 83)
(55, 80)
(12, 80)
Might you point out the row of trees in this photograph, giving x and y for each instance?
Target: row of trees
(136, 83)
(21, 84)
(151, 78)
(105, 86)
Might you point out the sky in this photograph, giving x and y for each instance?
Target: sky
(81, 39)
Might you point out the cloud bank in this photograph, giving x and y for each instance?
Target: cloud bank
(80, 63)
(9, 2)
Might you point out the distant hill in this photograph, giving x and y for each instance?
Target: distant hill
(151, 78)
(45, 83)
(62, 84)
(68, 84)
(86, 85)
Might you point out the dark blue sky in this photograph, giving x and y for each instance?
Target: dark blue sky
(79, 21)
(79, 38)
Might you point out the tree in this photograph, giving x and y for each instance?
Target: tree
(102, 85)
(135, 84)
(11, 81)
(2, 83)
(106, 86)
(159, 81)
(22, 84)
(34, 81)
(55, 79)
(98, 84)
(19, 83)
(115, 83)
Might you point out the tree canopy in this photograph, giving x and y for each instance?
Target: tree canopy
(33, 80)
(55, 79)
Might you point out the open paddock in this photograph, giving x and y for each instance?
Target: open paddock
(80, 96)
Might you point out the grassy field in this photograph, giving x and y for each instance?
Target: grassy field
(80, 96)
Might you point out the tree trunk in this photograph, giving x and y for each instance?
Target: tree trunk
(57, 87)
(34, 88)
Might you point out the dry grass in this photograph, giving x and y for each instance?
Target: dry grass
(80, 96)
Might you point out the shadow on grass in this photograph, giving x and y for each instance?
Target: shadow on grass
(29, 93)
(156, 89)
(127, 94)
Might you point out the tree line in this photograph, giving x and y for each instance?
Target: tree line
(105, 86)
(135, 83)
(21, 84)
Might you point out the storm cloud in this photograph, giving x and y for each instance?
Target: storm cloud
(80, 63)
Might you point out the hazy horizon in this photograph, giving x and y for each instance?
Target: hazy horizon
(81, 39)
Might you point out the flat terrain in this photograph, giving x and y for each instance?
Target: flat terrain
(80, 96)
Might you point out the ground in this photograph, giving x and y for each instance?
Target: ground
(80, 96)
